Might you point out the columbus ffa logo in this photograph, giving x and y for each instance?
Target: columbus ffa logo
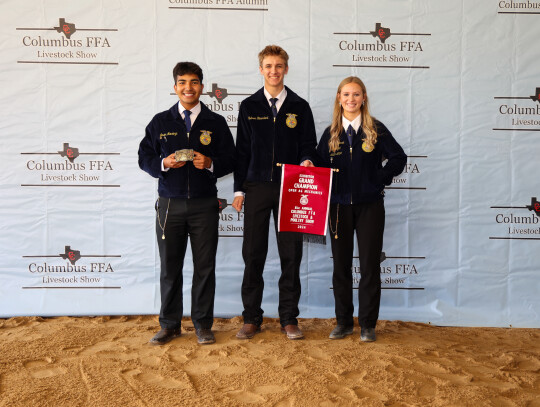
(382, 33)
(513, 225)
(222, 204)
(70, 171)
(518, 7)
(536, 96)
(397, 272)
(67, 28)
(66, 44)
(291, 121)
(252, 5)
(71, 255)
(304, 199)
(383, 50)
(217, 103)
(218, 93)
(534, 206)
(54, 274)
(205, 137)
(411, 175)
(70, 152)
(518, 113)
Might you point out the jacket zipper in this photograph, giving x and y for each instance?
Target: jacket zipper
(273, 150)
(350, 149)
(188, 169)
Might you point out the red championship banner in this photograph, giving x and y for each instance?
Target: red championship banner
(304, 199)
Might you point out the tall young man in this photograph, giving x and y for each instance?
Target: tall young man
(275, 125)
(187, 204)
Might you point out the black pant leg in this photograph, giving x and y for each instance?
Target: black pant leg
(203, 219)
(172, 250)
(342, 253)
(369, 231)
(290, 256)
(257, 208)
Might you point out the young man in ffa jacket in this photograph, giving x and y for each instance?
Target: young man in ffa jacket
(187, 203)
(275, 126)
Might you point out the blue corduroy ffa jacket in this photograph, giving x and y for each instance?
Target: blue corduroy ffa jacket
(261, 142)
(361, 177)
(210, 136)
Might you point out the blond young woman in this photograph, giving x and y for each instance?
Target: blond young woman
(356, 144)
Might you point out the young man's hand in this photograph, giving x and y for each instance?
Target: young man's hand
(201, 161)
(237, 203)
(170, 162)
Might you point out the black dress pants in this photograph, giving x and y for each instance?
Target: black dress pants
(368, 221)
(197, 218)
(262, 198)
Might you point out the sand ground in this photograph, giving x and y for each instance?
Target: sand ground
(107, 361)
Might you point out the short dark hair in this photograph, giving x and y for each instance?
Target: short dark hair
(183, 68)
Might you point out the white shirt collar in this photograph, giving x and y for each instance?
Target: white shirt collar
(356, 123)
(194, 111)
(280, 98)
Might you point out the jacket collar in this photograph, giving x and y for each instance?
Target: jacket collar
(205, 114)
(291, 96)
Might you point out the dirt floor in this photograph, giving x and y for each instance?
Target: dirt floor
(107, 361)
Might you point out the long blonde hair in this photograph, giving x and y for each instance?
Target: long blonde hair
(368, 124)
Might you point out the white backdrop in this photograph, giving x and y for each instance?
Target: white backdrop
(456, 83)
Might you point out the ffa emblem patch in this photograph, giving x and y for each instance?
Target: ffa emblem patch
(304, 199)
(205, 137)
(366, 148)
(291, 121)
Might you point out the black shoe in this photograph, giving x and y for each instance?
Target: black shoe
(165, 335)
(205, 336)
(341, 331)
(368, 335)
